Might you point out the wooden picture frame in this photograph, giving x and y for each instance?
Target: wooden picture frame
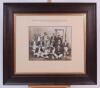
(10, 40)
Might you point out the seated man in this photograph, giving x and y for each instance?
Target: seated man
(58, 50)
(39, 51)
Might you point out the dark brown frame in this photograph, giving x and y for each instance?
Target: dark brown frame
(89, 78)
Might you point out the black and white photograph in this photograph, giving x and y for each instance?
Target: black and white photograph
(50, 43)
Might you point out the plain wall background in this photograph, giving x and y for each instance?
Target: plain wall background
(34, 1)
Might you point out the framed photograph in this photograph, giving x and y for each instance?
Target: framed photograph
(49, 43)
